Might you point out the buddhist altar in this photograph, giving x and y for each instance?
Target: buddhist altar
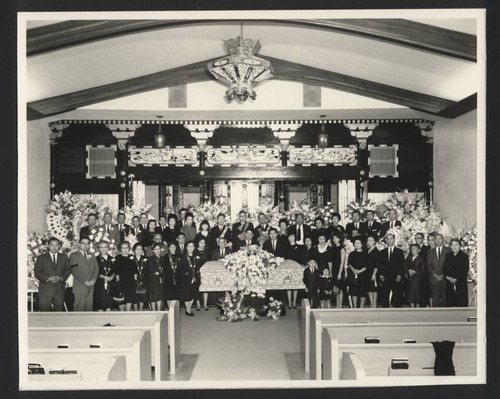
(286, 276)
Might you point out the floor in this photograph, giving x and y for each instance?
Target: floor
(246, 350)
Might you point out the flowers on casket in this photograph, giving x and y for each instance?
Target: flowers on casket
(274, 308)
(251, 265)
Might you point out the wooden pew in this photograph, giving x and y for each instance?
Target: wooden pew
(91, 361)
(312, 319)
(374, 360)
(164, 327)
(438, 332)
(83, 337)
(90, 369)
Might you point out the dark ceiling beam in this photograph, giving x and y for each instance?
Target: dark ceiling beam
(404, 32)
(397, 31)
(185, 74)
(197, 72)
(460, 108)
(286, 70)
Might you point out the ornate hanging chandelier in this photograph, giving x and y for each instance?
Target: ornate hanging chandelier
(241, 69)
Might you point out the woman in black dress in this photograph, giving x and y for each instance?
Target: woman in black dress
(170, 233)
(140, 276)
(372, 264)
(147, 236)
(156, 266)
(309, 248)
(414, 271)
(323, 254)
(204, 233)
(187, 272)
(338, 267)
(456, 271)
(202, 256)
(297, 253)
(125, 269)
(102, 293)
(357, 271)
(171, 272)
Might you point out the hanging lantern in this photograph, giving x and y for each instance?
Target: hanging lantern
(241, 69)
(322, 135)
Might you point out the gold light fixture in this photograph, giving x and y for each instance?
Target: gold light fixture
(159, 136)
(241, 70)
(322, 135)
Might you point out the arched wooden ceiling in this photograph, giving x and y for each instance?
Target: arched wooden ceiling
(421, 37)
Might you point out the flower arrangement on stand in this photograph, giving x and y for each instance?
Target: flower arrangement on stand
(97, 235)
(208, 211)
(362, 207)
(136, 209)
(274, 310)
(232, 308)
(273, 215)
(306, 208)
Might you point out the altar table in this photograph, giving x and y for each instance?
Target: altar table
(287, 276)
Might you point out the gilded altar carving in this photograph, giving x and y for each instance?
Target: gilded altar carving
(163, 156)
(243, 155)
(322, 156)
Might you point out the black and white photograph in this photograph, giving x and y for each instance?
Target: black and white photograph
(251, 199)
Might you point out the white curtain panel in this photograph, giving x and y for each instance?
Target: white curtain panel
(347, 194)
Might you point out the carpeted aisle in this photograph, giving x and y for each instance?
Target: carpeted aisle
(241, 351)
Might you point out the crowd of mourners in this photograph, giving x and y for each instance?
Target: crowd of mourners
(164, 263)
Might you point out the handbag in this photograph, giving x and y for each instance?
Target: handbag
(351, 279)
(116, 291)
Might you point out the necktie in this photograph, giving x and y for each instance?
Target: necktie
(107, 228)
(121, 228)
(54, 259)
(298, 233)
(222, 253)
(390, 254)
(356, 225)
(439, 253)
(370, 225)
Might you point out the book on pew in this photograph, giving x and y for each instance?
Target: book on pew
(111, 325)
(409, 341)
(472, 318)
(62, 346)
(372, 339)
(400, 363)
(35, 368)
(96, 346)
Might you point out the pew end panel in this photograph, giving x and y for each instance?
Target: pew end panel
(352, 368)
(305, 312)
(174, 336)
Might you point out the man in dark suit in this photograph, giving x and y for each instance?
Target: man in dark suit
(220, 229)
(221, 251)
(181, 245)
(157, 239)
(371, 226)
(392, 223)
(300, 229)
(434, 265)
(273, 245)
(85, 273)
(250, 238)
(162, 226)
(52, 269)
(123, 227)
(86, 231)
(143, 219)
(238, 230)
(391, 269)
(311, 280)
(136, 226)
(424, 281)
(110, 229)
(355, 225)
(261, 231)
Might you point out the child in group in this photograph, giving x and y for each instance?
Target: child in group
(311, 281)
(325, 289)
